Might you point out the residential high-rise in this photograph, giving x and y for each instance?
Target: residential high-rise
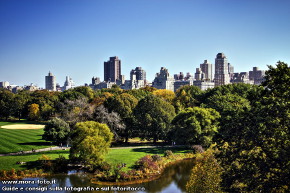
(206, 68)
(163, 80)
(139, 72)
(257, 75)
(199, 75)
(221, 76)
(112, 69)
(50, 82)
(69, 83)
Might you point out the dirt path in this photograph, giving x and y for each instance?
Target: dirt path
(64, 148)
(35, 151)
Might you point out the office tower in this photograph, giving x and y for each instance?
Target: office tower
(257, 75)
(221, 76)
(163, 80)
(139, 72)
(112, 69)
(50, 83)
(206, 68)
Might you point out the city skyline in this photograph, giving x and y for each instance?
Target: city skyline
(73, 38)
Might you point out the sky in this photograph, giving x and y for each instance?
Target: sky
(74, 37)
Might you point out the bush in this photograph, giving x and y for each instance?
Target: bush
(146, 163)
(156, 158)
(168, 153)
(197, 149)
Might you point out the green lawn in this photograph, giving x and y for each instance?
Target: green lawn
(115, 156)
(15, 140)
(9, 162)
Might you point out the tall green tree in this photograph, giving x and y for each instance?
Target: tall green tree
(90, 142)
(154, 117)
(195, 126)
(230, 107)
(7, 107)
(56, 130)
(257, 159)
(124, 104)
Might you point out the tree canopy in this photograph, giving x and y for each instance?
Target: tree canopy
(90, 142)
(154, 116)
(196, 126)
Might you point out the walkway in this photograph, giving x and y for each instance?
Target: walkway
(64, 148)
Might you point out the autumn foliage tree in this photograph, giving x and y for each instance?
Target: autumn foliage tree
(33, 112)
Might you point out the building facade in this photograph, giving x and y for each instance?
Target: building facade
(139, 73)
(221, 76)
(112, 69)
(206, 68)
(69, 83)
(50, 82)
(257, 75)
(163, 80)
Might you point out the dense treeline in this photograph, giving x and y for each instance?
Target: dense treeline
(248, 124)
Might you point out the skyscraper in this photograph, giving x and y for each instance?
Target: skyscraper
(112, 69)
(50, 83)
(221, 76)
(206, 68)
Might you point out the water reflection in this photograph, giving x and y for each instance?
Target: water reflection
(173, 180)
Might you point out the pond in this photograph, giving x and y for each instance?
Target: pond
(173, 179)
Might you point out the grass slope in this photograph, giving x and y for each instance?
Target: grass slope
(115, 156)
(15, 140)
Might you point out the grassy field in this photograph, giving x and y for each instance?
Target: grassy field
(15, 140)
(115, 156)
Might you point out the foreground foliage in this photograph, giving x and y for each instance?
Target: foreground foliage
(205, 175)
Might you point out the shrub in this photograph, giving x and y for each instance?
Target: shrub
(146, 163)
(197, 149)
(168, 153)
(156, 158)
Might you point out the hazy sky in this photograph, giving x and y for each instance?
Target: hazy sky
(75, 37)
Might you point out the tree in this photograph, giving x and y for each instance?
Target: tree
(230, 107)
(56, 130)
(124, 104)
(166, 95)
(46, 100)
(20, 101)
(7, 107)
(33, 112)
(77, 110)
(113, 120)
(187, 96)
(153, 117)
(90, 142)
(196, 126)
(205, 175)
(258, 159)
(85, 90)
